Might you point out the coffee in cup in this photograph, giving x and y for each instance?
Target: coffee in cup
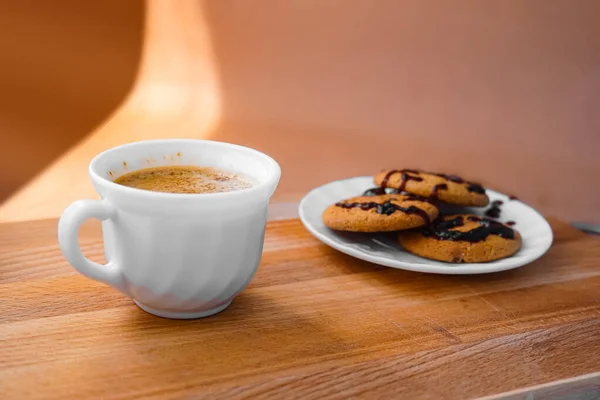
(184, 179)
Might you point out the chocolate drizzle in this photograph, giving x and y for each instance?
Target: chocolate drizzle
(437, 188)
(387, 208)
(404, 178)
(378, 191)
(494, 210)
(510, 223)
(442, 229)
(475, 187)
(452, 178)
(471, 186)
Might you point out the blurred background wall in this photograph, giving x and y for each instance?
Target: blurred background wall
(64, 66)
(504, 92)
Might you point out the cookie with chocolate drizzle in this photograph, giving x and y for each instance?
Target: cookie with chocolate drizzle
(462, 238)
(380, 213)
(451, 189)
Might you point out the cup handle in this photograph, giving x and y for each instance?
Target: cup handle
(68, 228)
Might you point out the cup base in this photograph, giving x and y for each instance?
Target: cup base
(182, 315)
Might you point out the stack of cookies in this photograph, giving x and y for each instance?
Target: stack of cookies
(412, 208)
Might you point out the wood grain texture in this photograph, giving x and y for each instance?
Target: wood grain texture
(314, 323)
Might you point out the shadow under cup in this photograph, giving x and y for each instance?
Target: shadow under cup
(182, 255)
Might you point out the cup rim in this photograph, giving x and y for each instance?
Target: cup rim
(274, 172)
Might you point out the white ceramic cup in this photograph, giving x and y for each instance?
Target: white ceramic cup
(176, 255)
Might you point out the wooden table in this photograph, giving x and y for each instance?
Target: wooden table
(314, 323)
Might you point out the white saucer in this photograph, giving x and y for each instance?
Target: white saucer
(384, 250)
